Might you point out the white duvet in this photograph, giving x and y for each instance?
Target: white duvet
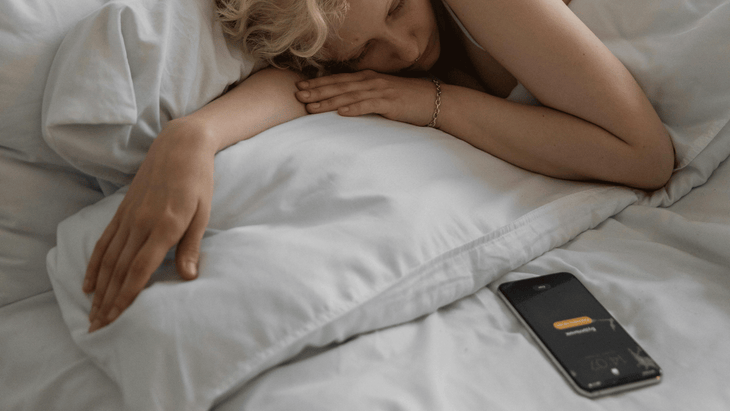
(662, 272)
(321, 229)
(326, 227)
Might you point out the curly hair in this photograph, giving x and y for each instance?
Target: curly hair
(285, 33)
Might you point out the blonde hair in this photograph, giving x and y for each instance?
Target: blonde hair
(285, 33)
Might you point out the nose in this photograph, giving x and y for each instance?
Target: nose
(405, 46)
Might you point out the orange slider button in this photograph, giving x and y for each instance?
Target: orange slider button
(573, 322)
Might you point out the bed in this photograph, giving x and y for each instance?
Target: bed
(349, 263)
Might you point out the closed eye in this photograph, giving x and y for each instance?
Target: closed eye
(361, 55)
(399, 5)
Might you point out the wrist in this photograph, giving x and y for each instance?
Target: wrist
(191, 133)
(437, 105)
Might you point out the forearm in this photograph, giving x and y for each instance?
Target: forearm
(264, 100)
(555, 143)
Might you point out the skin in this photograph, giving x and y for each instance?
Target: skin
(388, 36)
(595, 122)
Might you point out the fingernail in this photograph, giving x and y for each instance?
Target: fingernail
(303, 84)
(192, 268)
(95, 326)
(305, 94)
(314, 105)
(344, 109)
(113, 314)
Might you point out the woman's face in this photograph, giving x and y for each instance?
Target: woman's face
(387, 36)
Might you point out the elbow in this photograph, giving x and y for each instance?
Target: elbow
(658, 177)
(654, 165)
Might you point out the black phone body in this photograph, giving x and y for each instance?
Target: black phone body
(589, 347)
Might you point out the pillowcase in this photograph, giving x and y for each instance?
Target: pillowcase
(31, 32)
(38, 189)
(321, 228)
(127, 69)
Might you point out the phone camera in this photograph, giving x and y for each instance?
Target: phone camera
(541, 287)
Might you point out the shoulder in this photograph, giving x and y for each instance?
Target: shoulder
(465, 62)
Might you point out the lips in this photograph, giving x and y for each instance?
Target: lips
(420, 59)
(425, 57)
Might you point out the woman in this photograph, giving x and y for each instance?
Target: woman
(595, 123)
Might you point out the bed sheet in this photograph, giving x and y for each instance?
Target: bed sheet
(40, 366)
(663, 273)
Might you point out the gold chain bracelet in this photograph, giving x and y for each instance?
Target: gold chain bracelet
(437, 109)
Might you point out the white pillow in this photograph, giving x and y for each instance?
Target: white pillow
(31, 32)
(321, 228)
(126, 70)
(38, 189)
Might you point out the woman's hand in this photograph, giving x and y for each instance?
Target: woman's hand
(169, 199)
(409, 100)
(167, 203)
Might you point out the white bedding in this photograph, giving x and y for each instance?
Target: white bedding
(32, 176)
(320, 229)
(662, 272)
(326, 228)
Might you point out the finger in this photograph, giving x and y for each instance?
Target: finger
(319, 94)
(360, 108)
(187, 254)
(92, 269)
(335, 78)
(150, 257)
(106, 269)
(343, 100)
(167, 231)
(134, 242)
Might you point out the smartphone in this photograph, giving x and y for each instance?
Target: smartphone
(587, 345)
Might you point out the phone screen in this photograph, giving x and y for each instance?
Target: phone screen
(592, 349)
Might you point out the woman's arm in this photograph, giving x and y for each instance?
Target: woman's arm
(597, 124)
(264, 100)
(555, 143)
(602, 126)
(169, 199)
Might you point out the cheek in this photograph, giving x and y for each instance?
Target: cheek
(332, 51)
(427, 13)
(427, 22)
